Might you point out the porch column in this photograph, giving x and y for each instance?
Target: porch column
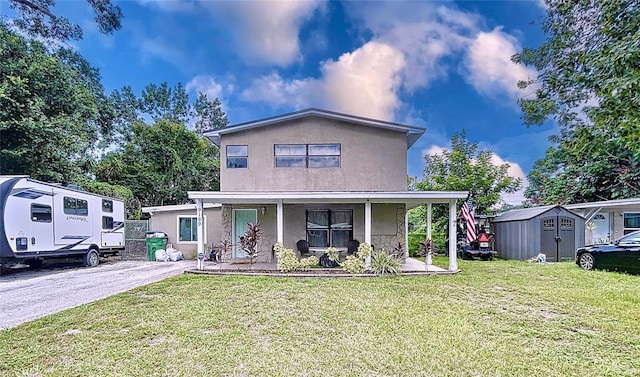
(367, 228)
(200, 225)
(429, 214)
(279, 222)
(453, 237)
(406, 232)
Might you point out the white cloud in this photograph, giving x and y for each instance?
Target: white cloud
(205, 84)
(265, 31)
(489, 66)
(363, 82)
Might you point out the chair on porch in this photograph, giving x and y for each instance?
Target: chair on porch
(352, 247)
(303, 247)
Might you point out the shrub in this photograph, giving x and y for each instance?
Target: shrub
(364, 251)
(383, 263)
(287, 259)
(354, 265)
(414, 243)
(333, 254)
(307, 263)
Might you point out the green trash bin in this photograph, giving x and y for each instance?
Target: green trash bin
(155, 241)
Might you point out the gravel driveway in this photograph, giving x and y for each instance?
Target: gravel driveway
(28, 295)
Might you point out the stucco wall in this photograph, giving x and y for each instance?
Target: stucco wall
(372, 159)
(168, 223)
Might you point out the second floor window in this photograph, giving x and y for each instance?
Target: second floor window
(307, 155)
(237, 156)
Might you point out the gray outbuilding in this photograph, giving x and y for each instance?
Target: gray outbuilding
(552, 230)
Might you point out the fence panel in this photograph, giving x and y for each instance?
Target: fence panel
(135, 239)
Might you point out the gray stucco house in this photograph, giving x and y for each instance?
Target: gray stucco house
(319, 176)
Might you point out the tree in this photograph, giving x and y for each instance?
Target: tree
(209, 114)
(161, 163)
(36, 19)
(464, 167)
(589, 77)
(50, 110)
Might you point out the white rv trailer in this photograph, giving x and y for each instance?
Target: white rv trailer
(41, 220)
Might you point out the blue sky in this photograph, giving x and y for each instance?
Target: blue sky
(441, 65)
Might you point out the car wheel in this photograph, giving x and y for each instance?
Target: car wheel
(91, 259)
(587, 261)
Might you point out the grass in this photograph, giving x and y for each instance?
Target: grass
(499, 318)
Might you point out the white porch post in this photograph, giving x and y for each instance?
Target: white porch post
(406, 232)
(453, 237)
(429, 214)
(367, 228)
(200, 232)
(279, 222)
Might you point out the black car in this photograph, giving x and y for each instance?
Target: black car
(621, 255)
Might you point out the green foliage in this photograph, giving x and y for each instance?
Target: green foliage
(288, 261)
(588, 80)
(414, 243)
(132, 205)
(333, 255)
(383, 264)
(50, 110)
(162, 163)
(209, 114)
(464, 167)
(307, 263)
(353, 265)
(364, 251)
(36, 19)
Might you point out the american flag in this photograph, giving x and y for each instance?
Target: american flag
(467, 214)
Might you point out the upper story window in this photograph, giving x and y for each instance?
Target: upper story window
(307, 155)
(73, 206)
(237, 156)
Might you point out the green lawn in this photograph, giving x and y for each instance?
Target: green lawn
(495, 318)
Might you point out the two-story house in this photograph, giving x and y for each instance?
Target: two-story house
(316, 176)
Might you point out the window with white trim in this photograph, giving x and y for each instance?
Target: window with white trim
(188, 228)
(307, 155)
(631, 221)
(329, 227)
(237, 156)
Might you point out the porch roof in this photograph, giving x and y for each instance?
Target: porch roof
(412, 198)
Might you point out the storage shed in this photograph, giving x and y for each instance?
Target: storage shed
(552, 230)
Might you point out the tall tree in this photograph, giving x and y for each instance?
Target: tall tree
(36, 18)
(208, 114)
(50, 107)
(465, 167)
(589, 77)
(161, 163)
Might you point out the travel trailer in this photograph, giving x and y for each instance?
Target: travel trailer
(42, 220)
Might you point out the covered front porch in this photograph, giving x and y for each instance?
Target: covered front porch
(323, 219)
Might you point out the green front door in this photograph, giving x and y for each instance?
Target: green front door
(240, 219)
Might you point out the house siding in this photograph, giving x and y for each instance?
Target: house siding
(372, 159)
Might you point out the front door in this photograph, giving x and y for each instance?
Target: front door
(240, 219)
(600, 228)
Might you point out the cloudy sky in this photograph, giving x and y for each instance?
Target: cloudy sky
(441, 65)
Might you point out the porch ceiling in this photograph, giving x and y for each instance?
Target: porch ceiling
(411, 198)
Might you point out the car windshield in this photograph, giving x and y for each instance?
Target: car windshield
(631, 239)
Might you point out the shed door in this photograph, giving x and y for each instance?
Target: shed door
(549, 244)
(558, 238)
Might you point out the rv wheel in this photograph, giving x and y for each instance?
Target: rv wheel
(91, 259)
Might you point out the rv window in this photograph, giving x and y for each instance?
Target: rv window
(73, 206)
(107, 205)
(107, 222)
(40, 213)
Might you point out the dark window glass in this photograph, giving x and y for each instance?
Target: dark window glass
(329, 227)
(41, 213)
(307, 155)
(73, 206)
(107, 222)
(291, 162)
(237, 156)
(107, 205)
(324, 162)
(632, 220)
(188, 229)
